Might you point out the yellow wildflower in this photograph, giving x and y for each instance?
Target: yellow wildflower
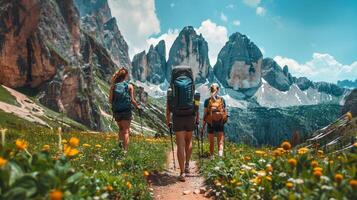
(233, 181)
(320, 152)
(86, 145)
(303, 150)
(269, 178)
(353, 183)
(286, 145)
(292, 162)
(109, 188)
(98, 146)
(146, 173)
(239, 183)
(70, 152)
(64, 141)
(56, 195)
(260, 153)
(289, 185)
(269, 168)
(3, 161)
(317, 174)
(338, 178)
(314, 163)
(349, 115)
(277, 152)
(21, 144)
(318, 169)
(128, 184)
(46, 147)
(74, 142)
(247, 158)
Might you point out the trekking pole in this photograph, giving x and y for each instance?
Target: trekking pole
(140, 113)
(202, 142)
(141, 121)
(198, 141)
(172, 147)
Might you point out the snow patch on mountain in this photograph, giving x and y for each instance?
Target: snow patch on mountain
(153, 90)
(269, 96)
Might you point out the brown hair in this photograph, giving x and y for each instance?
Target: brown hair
(120, 75)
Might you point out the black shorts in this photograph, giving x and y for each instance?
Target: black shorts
(123, 116)
(215, 127)
(186, 123)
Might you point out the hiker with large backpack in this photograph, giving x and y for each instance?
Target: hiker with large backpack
(215, 116)
(121, 97)
(180, 102)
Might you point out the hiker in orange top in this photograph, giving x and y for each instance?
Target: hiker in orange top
(215, 116)
(121, 97)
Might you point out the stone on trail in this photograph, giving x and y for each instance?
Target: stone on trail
(186, 192)
(196, 191)
(202, 190)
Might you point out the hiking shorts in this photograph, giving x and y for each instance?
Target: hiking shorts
(215, 127)
(183, 123)
(123, 116)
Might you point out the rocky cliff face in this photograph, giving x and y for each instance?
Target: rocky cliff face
(97, 21)
(239, 63)
(150, 67)
(43, 47)
(277, 77)
(192, 50)
(351, 103)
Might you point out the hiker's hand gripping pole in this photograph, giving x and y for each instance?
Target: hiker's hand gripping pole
(172, 145)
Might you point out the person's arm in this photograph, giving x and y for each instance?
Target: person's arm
(111, 91)
(132, 97)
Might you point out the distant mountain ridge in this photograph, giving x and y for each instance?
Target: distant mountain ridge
(347, 84)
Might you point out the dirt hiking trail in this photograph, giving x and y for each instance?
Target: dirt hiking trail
(167, 187)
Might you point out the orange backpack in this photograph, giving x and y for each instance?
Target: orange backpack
(216, 111)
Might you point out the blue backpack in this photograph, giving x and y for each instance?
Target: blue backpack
(121, 98)
(183, 89)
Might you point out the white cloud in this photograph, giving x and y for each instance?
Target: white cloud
(322, 67)
(137, 20)
(236, 22)
(260, 11)
(215, 35)
(172, 4)
(223, 17)
(252, 3)
(169, 38)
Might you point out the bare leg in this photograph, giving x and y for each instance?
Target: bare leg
(211, 143)
(126, 134)
(220, 140)
(180, 141)
(188, 146)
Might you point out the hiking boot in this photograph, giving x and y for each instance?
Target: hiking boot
(182, 177)
(187, 168)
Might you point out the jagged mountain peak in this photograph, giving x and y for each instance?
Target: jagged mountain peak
(239, 64)
(192, 50)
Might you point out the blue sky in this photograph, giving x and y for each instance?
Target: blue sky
(316, 38)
